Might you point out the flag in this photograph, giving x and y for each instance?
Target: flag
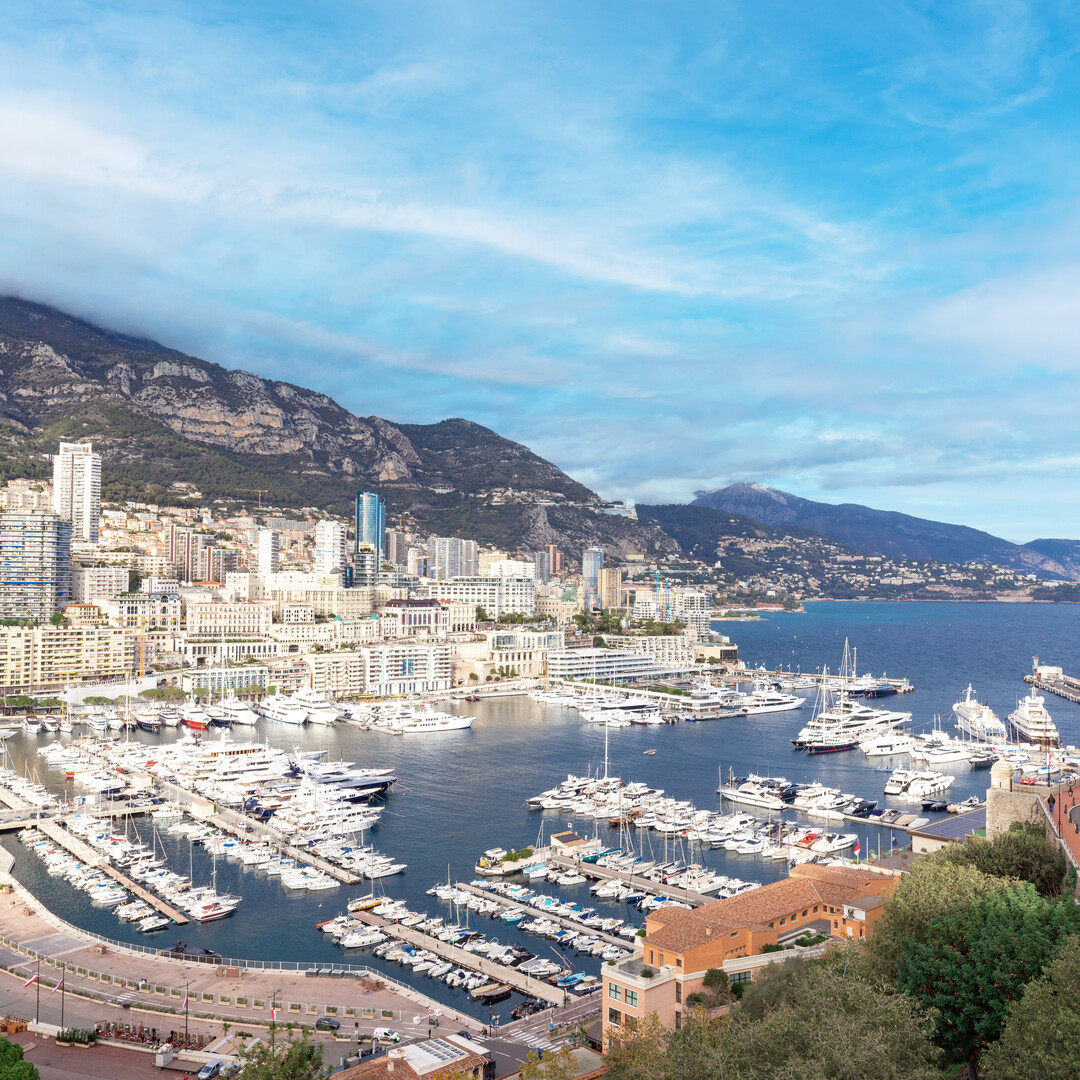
(57, 987)
(273, 1014)
(858, 847)
(32, 979)
(183, 1008)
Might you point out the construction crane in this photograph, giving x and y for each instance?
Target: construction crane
(261, 492)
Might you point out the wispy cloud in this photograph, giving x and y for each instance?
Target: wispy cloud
(716, 243)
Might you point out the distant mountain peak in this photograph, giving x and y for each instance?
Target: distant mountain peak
(885, 532)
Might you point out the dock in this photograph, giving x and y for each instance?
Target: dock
(516, 980)
(1066, 687)
(591, 870)
(540, 913)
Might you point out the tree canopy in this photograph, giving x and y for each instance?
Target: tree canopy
(12, 1066)
(294, 1060)
(830, 1019)
(1024, 853)
(973, 962)
(1042, 1030)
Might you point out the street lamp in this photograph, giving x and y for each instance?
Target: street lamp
(273, 1015)
(1050, 806)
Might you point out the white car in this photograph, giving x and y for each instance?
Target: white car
(386, 1035)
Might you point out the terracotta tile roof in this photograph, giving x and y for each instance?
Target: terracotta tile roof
(680, 930)
(849, 876)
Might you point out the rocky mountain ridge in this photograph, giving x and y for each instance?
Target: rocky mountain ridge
(162, 417)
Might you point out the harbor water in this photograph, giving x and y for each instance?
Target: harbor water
(462, 792)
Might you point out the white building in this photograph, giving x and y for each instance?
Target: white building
(331, 547)
(513, 568)
(450, 557)
(268, 551)
(244, 618)
(92, 583)
(35, 564)
(693, 607)
(601, 665)
(495, 595)
(146, 611)
(381, 670)
(77, 489)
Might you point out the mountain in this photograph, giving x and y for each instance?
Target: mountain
(163, 420)
(1066, 553)
(884, 532)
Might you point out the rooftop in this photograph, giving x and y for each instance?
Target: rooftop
(955, 826)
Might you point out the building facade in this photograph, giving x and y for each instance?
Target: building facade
(370, 521)
(331, 548)
(92, 583)
(33, 659)
(35, 564)
(77, 490)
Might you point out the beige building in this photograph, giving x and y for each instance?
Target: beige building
(243, 618)
(609, 587)
(49, 657)
(146, 611)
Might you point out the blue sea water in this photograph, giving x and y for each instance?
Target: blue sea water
(463, 792)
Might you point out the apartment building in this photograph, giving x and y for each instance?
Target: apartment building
(680, 945)
(146, 611)
(240, 619)
(33, 659)
(495, 595)
(92, 583)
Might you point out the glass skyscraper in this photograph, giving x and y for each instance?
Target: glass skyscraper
(370, 521)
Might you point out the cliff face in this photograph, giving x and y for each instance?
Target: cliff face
(161, 417)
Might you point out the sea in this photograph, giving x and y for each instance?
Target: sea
(462, 792)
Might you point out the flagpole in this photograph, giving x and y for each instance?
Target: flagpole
(187, 1009)
(63, 993)
(37, 983)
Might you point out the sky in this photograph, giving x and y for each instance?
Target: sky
(832, 247)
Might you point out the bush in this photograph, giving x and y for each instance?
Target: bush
(647, 973)
(84, 1036)
(771, 948)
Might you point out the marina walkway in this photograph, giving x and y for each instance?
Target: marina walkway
(591, 870)
(541, 913)
(513, 978)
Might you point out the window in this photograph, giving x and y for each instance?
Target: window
(631, 998)
(678, 1020)
(678, 961)
(739, 977)
(734, 933)
(815, 909)
(805, 913)
(678, 993)
(660, 959)
(614, 992)
(782, 921)
(630, 1022)
(651, 960)
(614, 1016)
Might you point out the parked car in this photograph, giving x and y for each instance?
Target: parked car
(327, 1023)
(210, 1070)
(386, 1035)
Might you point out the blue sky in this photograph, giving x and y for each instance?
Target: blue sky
(831, 247)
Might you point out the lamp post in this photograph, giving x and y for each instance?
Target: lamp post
(273, 1016)
(187, 1009)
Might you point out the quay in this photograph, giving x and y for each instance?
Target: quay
(682, 702)
(516, 980)
(567, 924)
(902, 686)
(1066, 687)
(591, 870)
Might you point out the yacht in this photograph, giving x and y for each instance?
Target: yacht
(236, 712)
(318, 709)
(194, 717)
(430, 722)
(978, 720)
(769, 793)
(763, 700)
(284, 710)
(887, 744)
(1032, 722)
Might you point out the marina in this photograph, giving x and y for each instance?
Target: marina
(464, 792)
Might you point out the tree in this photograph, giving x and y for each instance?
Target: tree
(481, 614)
(974, 962)
(1041, 1040)
(134, 581)
(12, 1066)
(716, 980)
(558, 1064)
(932, 887)
(58, 619)
(829, 1019)
(293, 1060)
(1024, 853)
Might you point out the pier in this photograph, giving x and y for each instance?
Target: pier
(516, 980)
(591, 870)
(540, 913)
(1066, 687)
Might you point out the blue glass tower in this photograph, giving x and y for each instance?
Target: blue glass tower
(370, 521)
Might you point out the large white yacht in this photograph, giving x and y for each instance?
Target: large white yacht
(236, 712)
(318, 709)
(284, 710)
(978, 720)
(1032, 722)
